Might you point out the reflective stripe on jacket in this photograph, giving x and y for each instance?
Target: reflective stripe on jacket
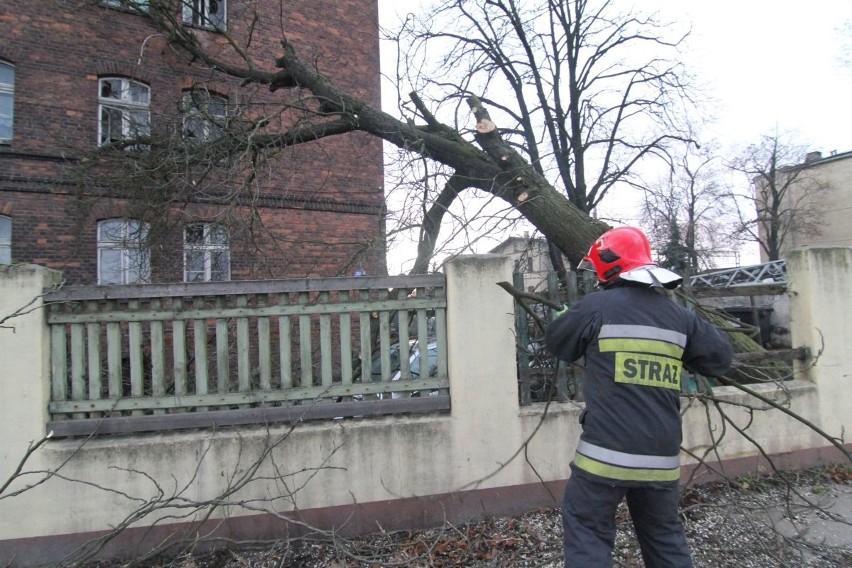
(626, 467)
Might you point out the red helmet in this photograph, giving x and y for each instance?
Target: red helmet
(617, 251)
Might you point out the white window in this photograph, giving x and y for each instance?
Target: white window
(127, 4)
(206, 255)
(5, 240)
(204, 114)
(124, 110)
(7, 100)
(205, 13)
(123, 255)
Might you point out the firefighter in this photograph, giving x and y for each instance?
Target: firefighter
(636, 342)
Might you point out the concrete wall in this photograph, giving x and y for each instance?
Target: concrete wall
(364, 475)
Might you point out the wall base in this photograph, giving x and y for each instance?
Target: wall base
(365, 518)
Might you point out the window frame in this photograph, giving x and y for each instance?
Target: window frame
(126, 106)
(128, 242)
(206, 249)
(8, 90)
(197, 13)
(5, 243)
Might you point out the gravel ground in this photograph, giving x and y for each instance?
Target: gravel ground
(799, 519)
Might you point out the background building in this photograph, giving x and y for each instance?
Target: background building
(80, 79)
(829, 178)
(530, 257)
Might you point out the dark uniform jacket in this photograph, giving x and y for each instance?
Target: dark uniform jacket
(636, 342)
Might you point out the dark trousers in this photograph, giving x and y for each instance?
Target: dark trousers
(588, 518)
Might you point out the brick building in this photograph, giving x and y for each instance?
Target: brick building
(123, 160)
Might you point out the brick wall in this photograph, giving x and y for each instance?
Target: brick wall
(315, 209)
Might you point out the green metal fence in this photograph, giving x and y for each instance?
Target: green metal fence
(542, 377)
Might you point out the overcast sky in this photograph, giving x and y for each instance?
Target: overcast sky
(775, 63)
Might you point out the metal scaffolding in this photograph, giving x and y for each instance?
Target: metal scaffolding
(774, 272)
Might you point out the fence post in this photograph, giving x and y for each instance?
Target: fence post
(522, 343)
(25, 356)
(481, 338)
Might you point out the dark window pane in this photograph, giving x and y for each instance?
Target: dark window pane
(194, 235)
(139, 93)
(111, 89)
(218, 235)
(110, 125)
(219, 266)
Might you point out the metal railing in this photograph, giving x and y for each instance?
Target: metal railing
(160, 357)
(541, 376)
(774, 272)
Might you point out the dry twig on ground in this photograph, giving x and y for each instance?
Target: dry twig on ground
(755, 522)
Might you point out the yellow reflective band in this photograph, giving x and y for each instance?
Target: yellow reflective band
(654, 346)
(647, 370)
(625, 473)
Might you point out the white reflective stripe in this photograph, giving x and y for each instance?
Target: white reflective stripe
(642, 332)
(627, 460)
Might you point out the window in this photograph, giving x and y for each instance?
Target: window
(205, 13)
(7, 100)
(124, 110)
(127, 4)
(204, 115)
(206, 256)
(5, 240)
(123, 256)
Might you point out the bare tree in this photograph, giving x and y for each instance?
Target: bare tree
(688, 212)
(784, 194)
(583, 92)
